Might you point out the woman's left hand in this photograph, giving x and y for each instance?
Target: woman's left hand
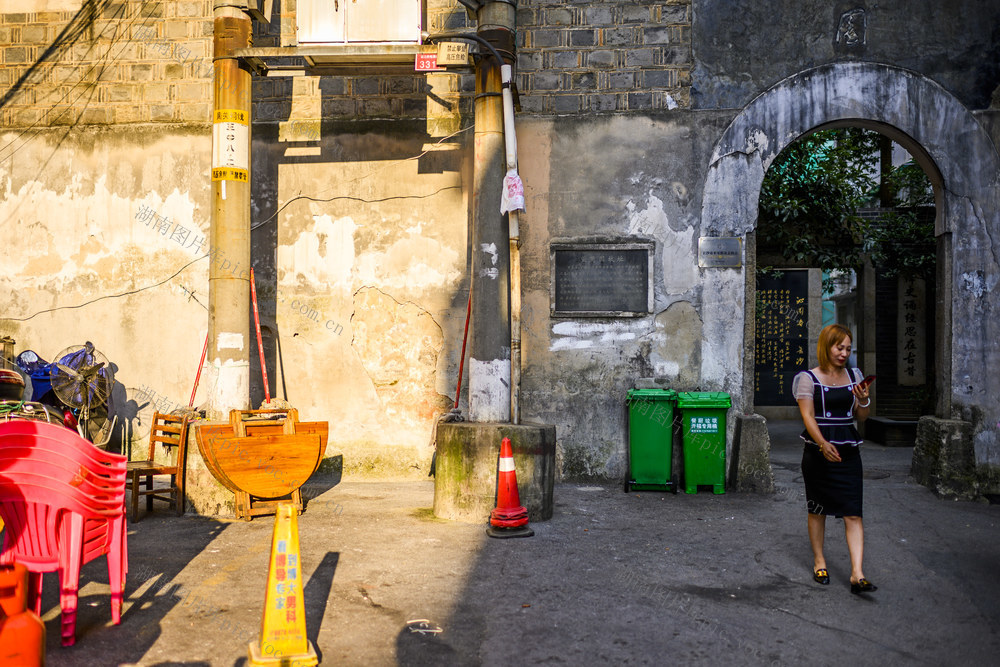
(861, 394)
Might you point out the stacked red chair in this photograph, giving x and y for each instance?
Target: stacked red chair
(62, 501)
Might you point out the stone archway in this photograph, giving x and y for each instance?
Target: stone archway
(964, 167)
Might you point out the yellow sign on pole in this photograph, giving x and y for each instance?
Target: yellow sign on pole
(283, 638)
(231, 145)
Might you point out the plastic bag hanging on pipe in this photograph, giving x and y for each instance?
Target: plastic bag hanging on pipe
(512, 198)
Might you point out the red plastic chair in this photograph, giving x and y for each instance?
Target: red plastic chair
(62, 501)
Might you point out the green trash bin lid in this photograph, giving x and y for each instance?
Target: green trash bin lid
(651, 395)
(703, 399)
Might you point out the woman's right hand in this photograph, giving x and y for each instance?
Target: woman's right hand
(829, 452)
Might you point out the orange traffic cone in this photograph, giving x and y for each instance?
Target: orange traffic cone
(510, 518)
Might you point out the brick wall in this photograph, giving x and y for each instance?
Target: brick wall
(137, 61)
(364, 96)
(109, 63)
(581, 57)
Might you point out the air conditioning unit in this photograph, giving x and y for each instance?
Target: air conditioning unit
(322, 22)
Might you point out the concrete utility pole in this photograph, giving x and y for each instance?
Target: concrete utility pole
(229, 344)
(489, 358)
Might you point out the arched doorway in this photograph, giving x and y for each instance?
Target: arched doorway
(963, 163)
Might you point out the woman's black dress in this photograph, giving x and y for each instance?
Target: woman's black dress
(833, 488)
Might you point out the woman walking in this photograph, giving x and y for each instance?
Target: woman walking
(830, 398)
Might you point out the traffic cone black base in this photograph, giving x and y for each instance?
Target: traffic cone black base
(522, 531)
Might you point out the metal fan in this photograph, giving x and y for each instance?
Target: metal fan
(82, 378)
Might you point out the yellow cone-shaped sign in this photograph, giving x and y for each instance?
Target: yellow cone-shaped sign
(283, 638)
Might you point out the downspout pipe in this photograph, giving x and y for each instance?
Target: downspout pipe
(513, 180)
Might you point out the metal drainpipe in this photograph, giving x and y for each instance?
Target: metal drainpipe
(228, 373)
(510, 143)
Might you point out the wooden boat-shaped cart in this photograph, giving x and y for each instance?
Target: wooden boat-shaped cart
(263, 456)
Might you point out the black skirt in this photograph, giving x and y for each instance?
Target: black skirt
(833, 488)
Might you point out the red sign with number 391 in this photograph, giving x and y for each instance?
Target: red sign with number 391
(427, 62)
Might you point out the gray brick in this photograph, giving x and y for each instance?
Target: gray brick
(33, 33)
(414, 108)
(525, 17)
(545, 38)
(328, 85)
(601, 59)
(376, 107)
(399, 85)
(619, 36)
(584, 80)
(674, 14)
(640, 57)
(141, 73)
(598, 16)
(582, 38)
(677, 56)
(368, 86)
(455, 21)
(558, 17)
(565, 59)
(15, 54)
(657, 35)
(621, 80)
(531, 103)
(640, 101)
(153, 9)
(635, 14)
(603, 102)
(338, 107)
(529, 60)
(161, 112)
(660, 78)
(565, 103)
(546, 81)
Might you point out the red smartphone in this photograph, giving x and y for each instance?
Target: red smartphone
(867, 381)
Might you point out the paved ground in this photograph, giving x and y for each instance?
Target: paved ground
(643, 578)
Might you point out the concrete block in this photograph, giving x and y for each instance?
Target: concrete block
(944, 458)
(752, 455)
(466, 470)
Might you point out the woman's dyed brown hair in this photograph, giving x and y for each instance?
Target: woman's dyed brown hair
(828, 337)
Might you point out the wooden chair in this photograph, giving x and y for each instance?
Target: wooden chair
(167, 433)
(63, 504)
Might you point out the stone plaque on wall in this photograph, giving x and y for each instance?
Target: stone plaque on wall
(601, 279)
(781, 340)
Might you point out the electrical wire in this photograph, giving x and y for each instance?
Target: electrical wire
(106, 296)
(348, 198)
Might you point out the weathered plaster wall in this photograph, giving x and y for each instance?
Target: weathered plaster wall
(617, 177)
(102, 228)
(361, 254)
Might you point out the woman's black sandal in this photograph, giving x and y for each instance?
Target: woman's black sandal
(821, 576)
(863, 586)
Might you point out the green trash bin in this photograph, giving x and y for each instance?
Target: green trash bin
(703, 433)
(650, 439)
